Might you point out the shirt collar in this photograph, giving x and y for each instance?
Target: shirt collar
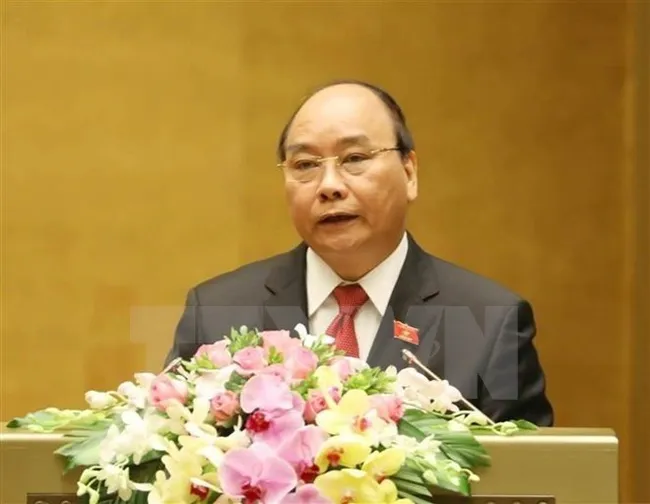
(378, 283)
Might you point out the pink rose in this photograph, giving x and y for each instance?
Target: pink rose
(224, 406)
(281, 340)
(217, 353)
(389, 407)
(250, 359)
(275, 370)
(301, 362)
(316, 403)
(165, 389)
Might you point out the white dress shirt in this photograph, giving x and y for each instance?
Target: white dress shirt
(378, 284)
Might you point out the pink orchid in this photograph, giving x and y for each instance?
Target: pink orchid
(266, 392)
(306, 494)
(301, 362)
(250, 359)
(272, 427)
(300, 449)
(274, 410)
(256, 475)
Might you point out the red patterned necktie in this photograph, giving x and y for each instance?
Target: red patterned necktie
(350, 299)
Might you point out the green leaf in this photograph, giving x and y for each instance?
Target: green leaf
(406, 428)
(409, 475)
(243, 339)
(304, 386)
(409, 430)
(410, 487)
(83, 451)
(54, 419)
(275, 357)
(526, 425)
(372, 381)
(414, 498)
(463, 448)
(236, 382)
(416, 415)
(445, 483)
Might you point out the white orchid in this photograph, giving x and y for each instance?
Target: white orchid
(99, 400)
(213, 381)
(115, 479)
(141, 434)
(309, 340)
(430, 395)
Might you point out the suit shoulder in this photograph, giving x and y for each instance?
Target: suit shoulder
(465, 285)
(242, 284)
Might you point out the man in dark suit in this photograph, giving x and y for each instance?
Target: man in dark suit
(350, 173)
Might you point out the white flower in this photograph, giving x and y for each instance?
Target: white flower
(181, 417)
(456, 426)
(474, 418)
(444, 396)
(431, 395)
(141, 435)
(213, 382)
(309, 340)
(116, 479)
(135, 396)
(99, 400)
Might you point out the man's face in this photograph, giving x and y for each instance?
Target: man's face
(371, 198)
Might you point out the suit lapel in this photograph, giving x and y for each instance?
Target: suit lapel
(416, 285)
(286, 305)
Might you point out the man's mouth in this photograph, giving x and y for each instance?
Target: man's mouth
(336, 218)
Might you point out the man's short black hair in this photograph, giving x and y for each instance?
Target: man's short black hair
(405, 142)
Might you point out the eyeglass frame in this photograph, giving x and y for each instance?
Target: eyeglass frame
(320, 160)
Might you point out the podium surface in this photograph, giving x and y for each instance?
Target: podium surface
(548, 466)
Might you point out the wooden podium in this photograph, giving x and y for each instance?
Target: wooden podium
(549, 466)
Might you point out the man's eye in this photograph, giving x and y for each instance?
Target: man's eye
(304, 164)
(356, 157)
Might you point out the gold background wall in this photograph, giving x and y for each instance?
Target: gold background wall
(138, 159)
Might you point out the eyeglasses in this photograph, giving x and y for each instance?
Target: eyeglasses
(305, 169)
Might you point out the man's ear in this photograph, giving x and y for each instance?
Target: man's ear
(411, 170)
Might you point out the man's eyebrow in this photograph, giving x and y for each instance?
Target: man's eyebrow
(347, 140)
(297, 147)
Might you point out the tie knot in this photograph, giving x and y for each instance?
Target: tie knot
(350, 298)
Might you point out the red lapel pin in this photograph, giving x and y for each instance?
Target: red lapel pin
(406, 333)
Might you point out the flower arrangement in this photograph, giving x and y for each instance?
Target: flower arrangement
(267, 418)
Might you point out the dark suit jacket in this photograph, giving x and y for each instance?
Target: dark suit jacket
(472, 331)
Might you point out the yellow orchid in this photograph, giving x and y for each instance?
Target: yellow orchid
(353, 415)
(380, 464)
(347, 413)
(327, 378)
(342, 451)
(353, 486)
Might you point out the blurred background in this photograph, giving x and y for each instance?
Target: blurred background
(138, 159)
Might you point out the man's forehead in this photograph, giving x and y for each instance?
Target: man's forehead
(349, 112)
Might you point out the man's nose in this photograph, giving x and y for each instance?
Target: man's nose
(332, 185)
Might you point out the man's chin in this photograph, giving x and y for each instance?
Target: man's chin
(339, 242)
